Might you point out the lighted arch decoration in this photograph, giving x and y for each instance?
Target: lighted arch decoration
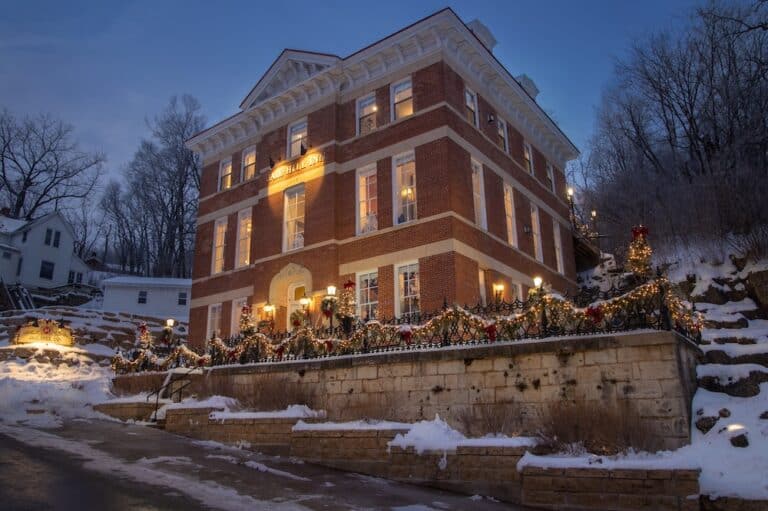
(44, 330)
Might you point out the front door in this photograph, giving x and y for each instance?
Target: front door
(295, 293)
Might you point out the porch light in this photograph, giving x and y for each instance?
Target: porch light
(169, 322)
(304, 301)
(570, 192)
(331, 290)
(268, 308)
(537, 282)
(594, 214)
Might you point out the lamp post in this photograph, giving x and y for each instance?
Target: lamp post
(331, 294)
(304, 302)
(269, 309)
(169, 330)
(571, 205)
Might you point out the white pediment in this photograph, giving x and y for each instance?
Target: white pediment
(290, 68)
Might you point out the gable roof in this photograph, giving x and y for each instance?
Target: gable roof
(288, 69)
(9, 225)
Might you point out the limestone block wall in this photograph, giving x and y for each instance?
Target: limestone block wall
(136, 411)
(655, 370)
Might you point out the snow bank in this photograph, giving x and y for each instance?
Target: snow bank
(292, 412)
(728, 372)
(668, 460)
(221, 402)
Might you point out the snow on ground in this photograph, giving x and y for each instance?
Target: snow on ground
(291, 412)
(757, 330)
(51, 392)
(223, 403)
(728, 372)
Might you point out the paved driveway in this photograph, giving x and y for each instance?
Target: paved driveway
(113, 466)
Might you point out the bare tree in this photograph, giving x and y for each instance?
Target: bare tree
(41, 167)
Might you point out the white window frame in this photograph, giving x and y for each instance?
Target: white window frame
(518, 290)
(289, 153)
(364, 172)
(551, 177)
(478, 195)
(293, 190)
(397, 160)
(226, 163)
(527, 148)
(392, 103)
(244, 214)
(473, 94)
(368, 99)
(219, 222)
(359, 288)
(237, 310)
(558, 246)
(398, 267)
(482, 285)
(209, 331)
(510, 218)
(501, 129)
(246, 151)
(538, 250)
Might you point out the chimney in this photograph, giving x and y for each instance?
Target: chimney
(483, 33)
(527, 83)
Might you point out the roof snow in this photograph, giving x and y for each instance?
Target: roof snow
(9, 225)
(147, 282)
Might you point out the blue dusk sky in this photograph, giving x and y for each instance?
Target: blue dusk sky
(105, 67)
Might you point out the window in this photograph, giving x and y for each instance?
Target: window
(56, 239)
(237, 311)
(502, 139)
(182, 298)
(509, 214)
(214, 321)
(478, 194)
(550, 177)
(536, 232)
(24, 236)
(367, 200)
(48, 235)
(6, 255)
(46, 270)
(517, 291)
(297, 138)
(18, 266)
(481, 283)
(79, 278)
(407, 304)
(366, 114)
(219, 239)
(71, 278)
(225, 174)
(142, 297)
(470, 106)
(405, 188)
(558, 247)
(294, 218)
(368, 295)
(528, 157)
(248, 169)
(243, 256)
(402, 99)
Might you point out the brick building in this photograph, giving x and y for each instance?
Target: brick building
(418, 168)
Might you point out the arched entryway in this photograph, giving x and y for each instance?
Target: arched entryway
(285, 290)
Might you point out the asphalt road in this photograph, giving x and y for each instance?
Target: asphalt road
(101, 465)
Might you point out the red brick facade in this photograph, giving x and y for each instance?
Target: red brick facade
(450, 249)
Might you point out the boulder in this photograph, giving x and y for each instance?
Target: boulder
(757, 286)
(740, 441)
(704, 424)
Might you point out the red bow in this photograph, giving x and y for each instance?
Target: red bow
(329, 346)
(595, 314)
(406, 335)
(349, 284)
(279, 352)
(639, 231)
(490, 331)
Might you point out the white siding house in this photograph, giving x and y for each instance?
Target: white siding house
(39, 253)
(147, 296)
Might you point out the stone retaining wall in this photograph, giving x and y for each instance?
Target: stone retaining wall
(136, 411)
(615, 490)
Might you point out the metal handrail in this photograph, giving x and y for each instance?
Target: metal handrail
(164, 386)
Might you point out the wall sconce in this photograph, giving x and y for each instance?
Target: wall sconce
(537, 282)
(498, 291)
(169, 323)
(269, 308)
(304, 301)
(331, 290)
(570, 192)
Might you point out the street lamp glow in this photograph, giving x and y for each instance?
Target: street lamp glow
(537, 281)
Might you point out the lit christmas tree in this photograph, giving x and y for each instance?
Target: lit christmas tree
(248, 325)
(639, 256)
(346, 309)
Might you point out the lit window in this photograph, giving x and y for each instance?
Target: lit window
(502, 139)
(402, 99)
(368, 295)
(294, 218)
(56, 239)
(46, 270)
(243, 256)
(367, 200)
(509, 214)
(248, 169)
(182, 298)
(214, 320)
(478, 194)
(528, 157)
(297, 139)
(408, 291)
(470, 105)
(405, 189)
(550, 177)
(366, 114)
(536, 232)
(558, 247)
(237, 312)
(219, 239)
(48, 235)
(142, 297)
(225, 174)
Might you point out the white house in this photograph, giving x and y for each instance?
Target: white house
(158, 297)
(39, 253)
